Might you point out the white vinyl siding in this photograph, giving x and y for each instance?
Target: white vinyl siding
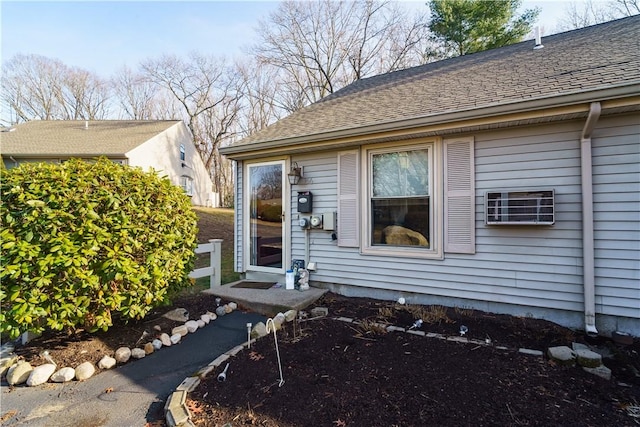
(459, 196)
(239, 218)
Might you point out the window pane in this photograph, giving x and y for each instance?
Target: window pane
(401, 173)
(400, 221)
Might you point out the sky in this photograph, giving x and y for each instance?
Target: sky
(104, 36)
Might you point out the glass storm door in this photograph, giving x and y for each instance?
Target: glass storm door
(266, 215)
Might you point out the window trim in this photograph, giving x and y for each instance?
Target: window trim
(188, 184)
(436, 200)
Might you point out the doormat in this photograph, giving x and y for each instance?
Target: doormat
(254, 285)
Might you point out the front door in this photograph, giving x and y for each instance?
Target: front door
(265, 222)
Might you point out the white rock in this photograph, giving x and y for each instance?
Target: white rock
(562, 355)
(123, 354)
(290, 315)
(41, 374)
(201, 323)
(166, 340)
(278, 320)
(19, 373)
(212, 316)
(84, 371)
(227, 308)
(107, 362)
(259, 330)
(205, 318)
(138, 353)
(175, 338)
(191, 326)
(233, 306)
(182, 330)
(157, 344)
(63, 375)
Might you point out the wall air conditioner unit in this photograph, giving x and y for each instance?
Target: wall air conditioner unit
(520, 207)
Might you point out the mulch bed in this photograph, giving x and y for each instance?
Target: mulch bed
(342, 374)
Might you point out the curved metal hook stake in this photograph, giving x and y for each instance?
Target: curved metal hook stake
(275, 339)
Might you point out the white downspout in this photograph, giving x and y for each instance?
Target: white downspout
(587, 221)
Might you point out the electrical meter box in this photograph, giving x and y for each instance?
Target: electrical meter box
(305, 201)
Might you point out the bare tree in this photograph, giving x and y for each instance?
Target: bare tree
(37, 87)
(320, 46)
(590, 12)
(259, 96)
(136, 95)
(209, 96)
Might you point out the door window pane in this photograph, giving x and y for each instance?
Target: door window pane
(265, 228)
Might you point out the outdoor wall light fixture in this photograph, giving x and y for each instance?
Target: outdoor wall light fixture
(295, 174)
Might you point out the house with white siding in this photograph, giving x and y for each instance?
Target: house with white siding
(506, 181)
(165, 146)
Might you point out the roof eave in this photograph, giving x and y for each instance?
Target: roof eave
(494, 112)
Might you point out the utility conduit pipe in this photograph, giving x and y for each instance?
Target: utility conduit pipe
(588, 257)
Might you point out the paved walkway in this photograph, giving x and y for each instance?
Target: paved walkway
(130, 395)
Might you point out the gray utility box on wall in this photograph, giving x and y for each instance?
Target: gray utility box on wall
(329, 221)
(305, 201)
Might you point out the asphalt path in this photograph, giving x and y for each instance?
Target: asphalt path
(129, 395)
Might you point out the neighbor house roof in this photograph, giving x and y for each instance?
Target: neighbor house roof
(595, 62)
(42, 138)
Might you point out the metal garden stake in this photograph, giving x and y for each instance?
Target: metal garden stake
(275, 339)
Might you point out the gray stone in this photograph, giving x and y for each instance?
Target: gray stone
(177, 315)
(601, 371)
(175, 338)
(138, 353)
(85, 371)
(107, 362)
(191, 326)
(19, 373)
(279, 320)
(157, 344)
(182, 330)
(562, 355)
(63, 375)
(41, 374)
(166, 340)
(6, 350)
(579, 346)
(123, 354)
(588, 358)
(220, 311)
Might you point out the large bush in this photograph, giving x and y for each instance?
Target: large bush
(83, 241)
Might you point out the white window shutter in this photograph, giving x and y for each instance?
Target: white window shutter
(348, 206)
(459, 206)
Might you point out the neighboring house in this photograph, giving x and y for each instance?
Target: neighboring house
(166, 146)
(506, 181)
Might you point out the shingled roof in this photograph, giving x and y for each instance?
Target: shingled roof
(587, 60)
(43, 138)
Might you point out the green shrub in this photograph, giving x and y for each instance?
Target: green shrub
(84, 241)
(271, 213)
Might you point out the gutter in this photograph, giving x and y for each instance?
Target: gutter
(588, 270)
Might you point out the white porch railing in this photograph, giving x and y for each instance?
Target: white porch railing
(214, 248)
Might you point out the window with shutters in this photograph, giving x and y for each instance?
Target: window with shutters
(402, 201)
(414, 200)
